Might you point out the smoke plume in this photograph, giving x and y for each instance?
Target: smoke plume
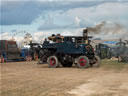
(109, 29)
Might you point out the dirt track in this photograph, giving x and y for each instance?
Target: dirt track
(29, 79)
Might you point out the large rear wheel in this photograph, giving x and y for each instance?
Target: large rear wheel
(53, 62)
(83, 62)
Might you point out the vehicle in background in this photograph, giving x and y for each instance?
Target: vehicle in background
(123, 57)
(24, 53)
(116, 50)
(123, 49)
(103, 51)
(9, 51)
(32, 53)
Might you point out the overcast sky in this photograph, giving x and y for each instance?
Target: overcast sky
(68, 17)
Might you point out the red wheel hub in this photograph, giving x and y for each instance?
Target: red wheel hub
(52, 61)
(82, 62)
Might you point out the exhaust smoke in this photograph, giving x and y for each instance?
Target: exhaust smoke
(109, 29)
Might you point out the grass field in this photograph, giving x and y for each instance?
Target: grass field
(114, 65)
(30, 79)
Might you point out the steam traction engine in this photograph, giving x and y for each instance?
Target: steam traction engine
(69, 50)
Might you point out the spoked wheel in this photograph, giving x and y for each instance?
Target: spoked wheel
(67, 64)
(53, 62)
(83, 62)
(97, 61)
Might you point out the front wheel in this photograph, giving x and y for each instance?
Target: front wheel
(83, 62)
(53, 62)
(97, 61)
